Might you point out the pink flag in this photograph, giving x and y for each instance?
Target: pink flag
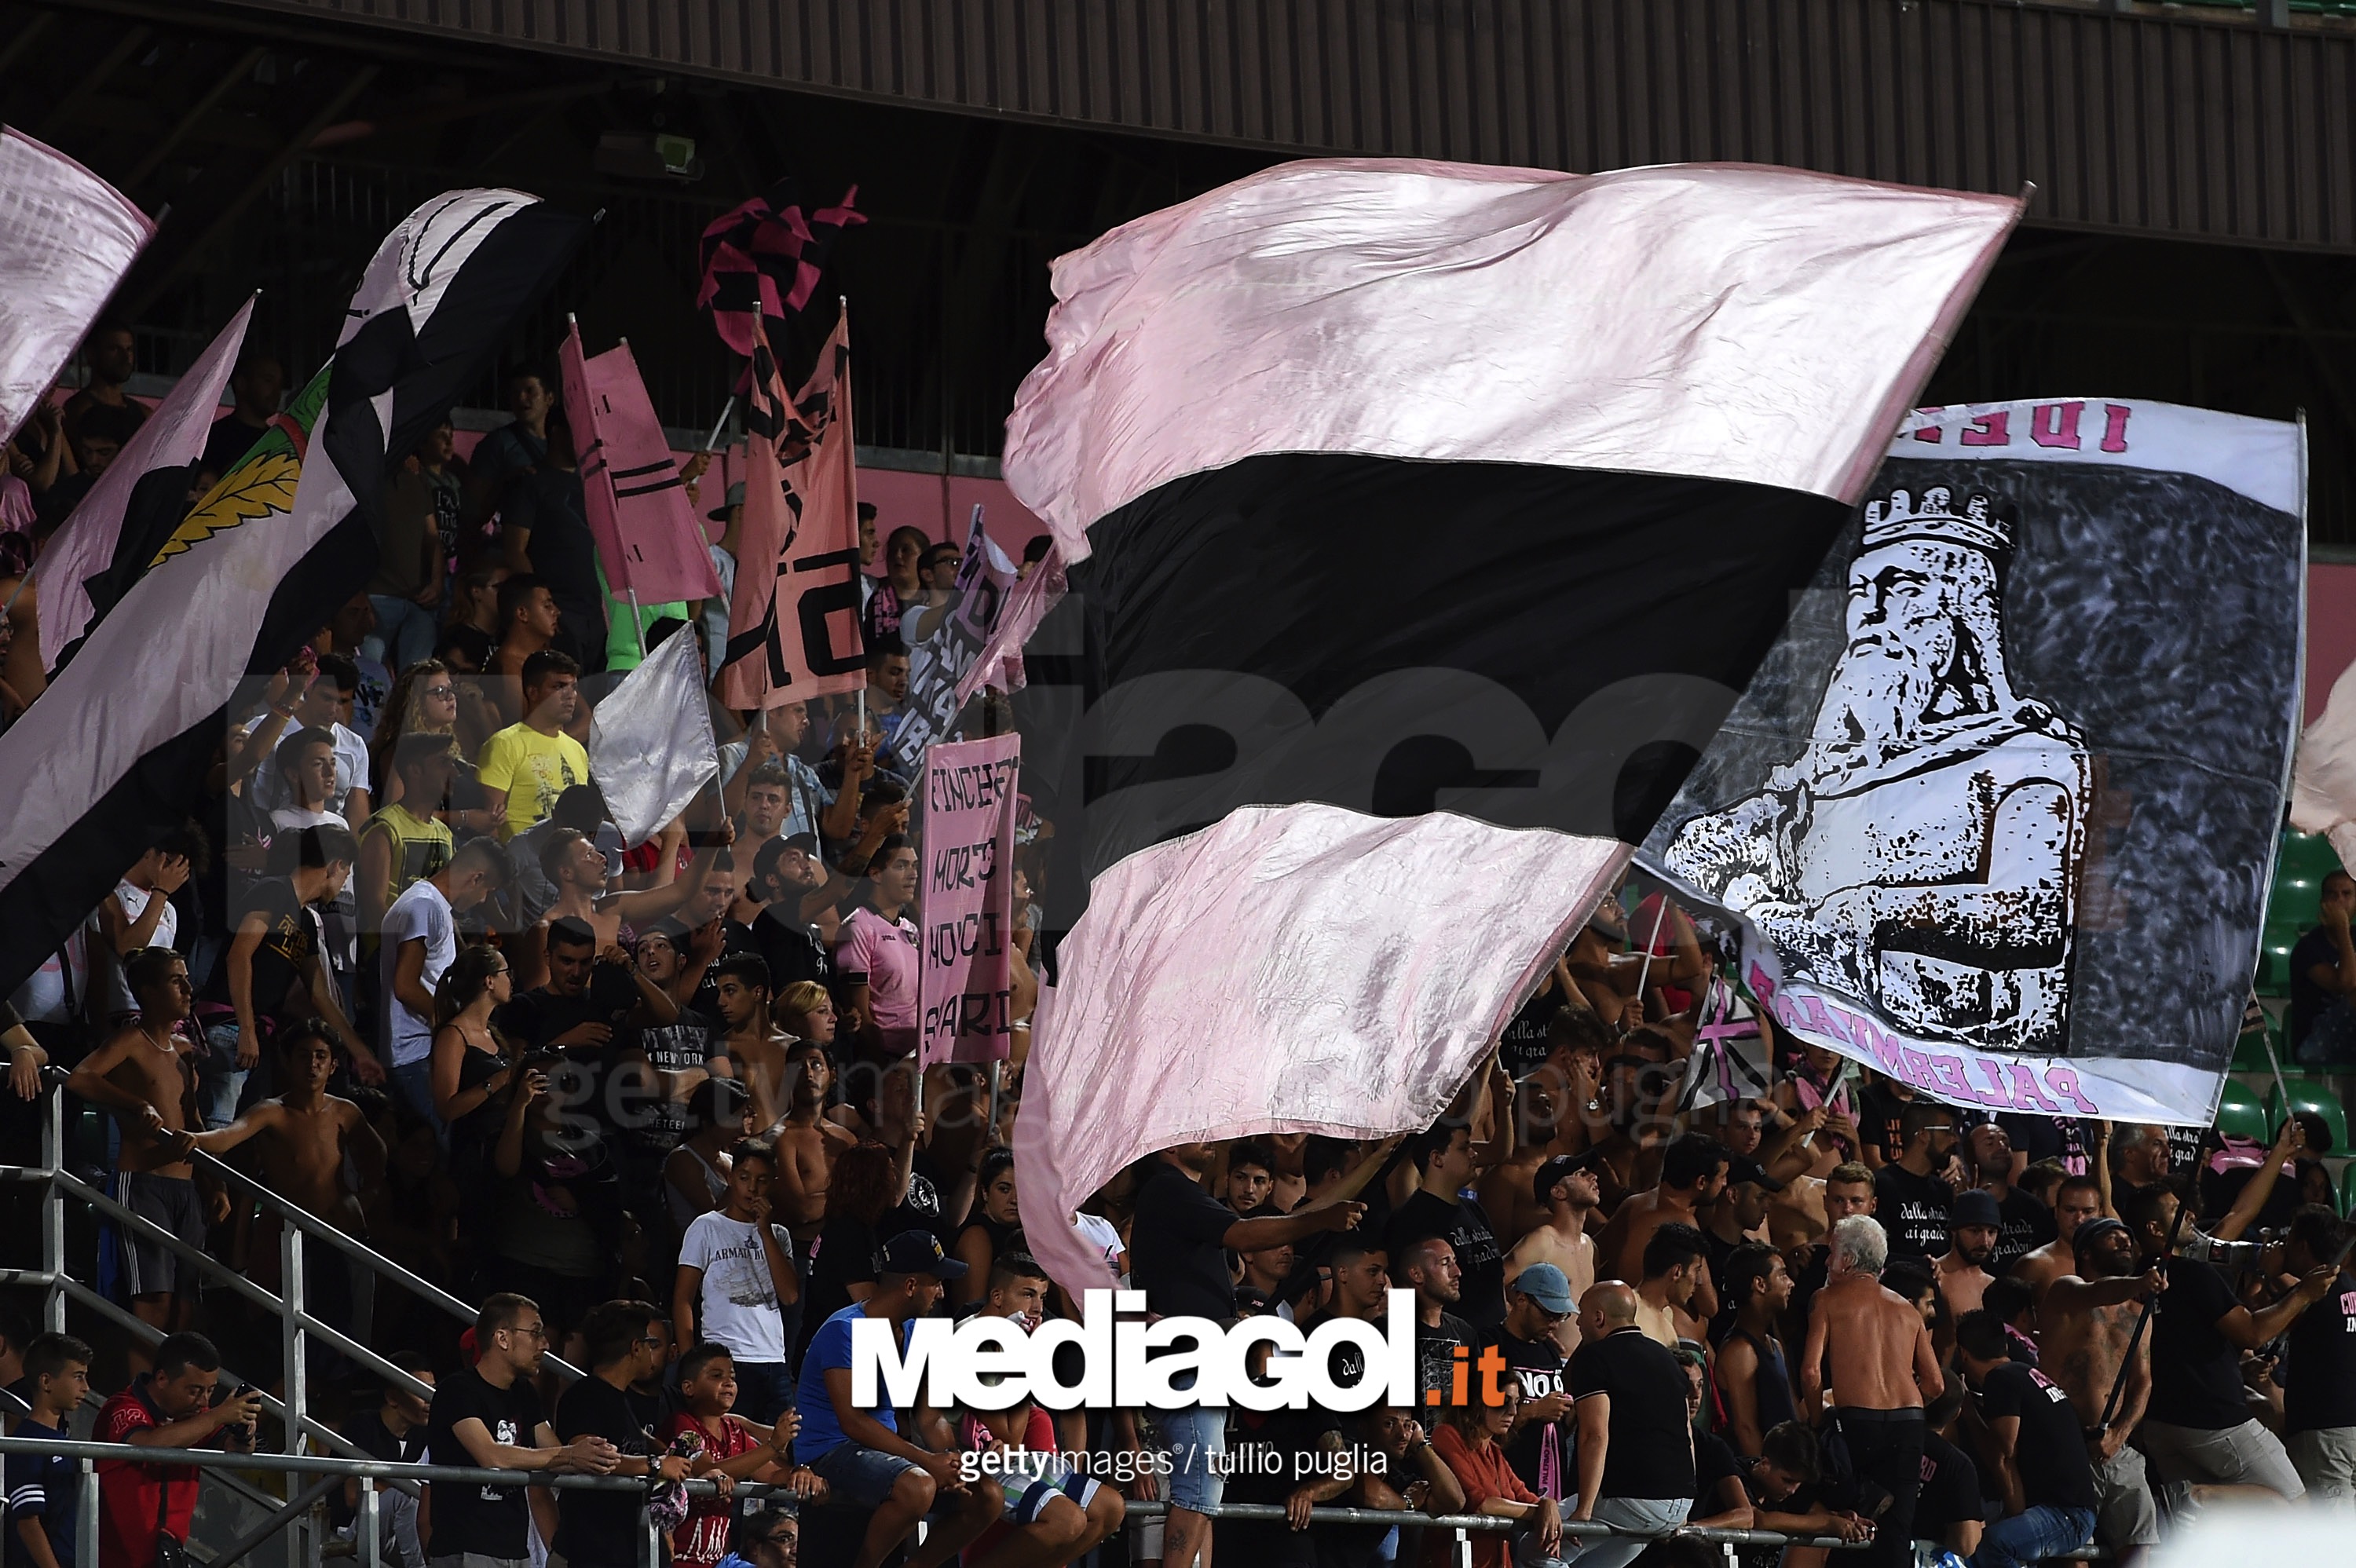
(967, 898)
(999, 663)
(793, 620)
(1292, 969)
(173, 437)
(647, 533)
(66, 239)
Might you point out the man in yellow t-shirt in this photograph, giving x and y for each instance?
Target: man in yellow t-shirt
(526, 766)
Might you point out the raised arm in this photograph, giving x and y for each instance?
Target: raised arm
(2291, 1141)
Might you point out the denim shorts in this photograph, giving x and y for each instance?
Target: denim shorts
(1198, 1442)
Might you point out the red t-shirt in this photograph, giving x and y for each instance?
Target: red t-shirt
(130, 1492)
(1483, 1474)
(703, 1539)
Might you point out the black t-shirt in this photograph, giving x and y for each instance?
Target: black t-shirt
(2050, 1451)
(925, 1207)
(1882, 1117)
(659, 1125)
(842, 1256)
(2195, 1377)
(1913, 1210)
(790, 948)
(598, 1530)
(368, 1432)
(290, 942)
(2046, 1137)
(735, 937)
(2307, 998)
(1537, 1366)
(1177, 1252)
(2028, 1225)
(1523, 1046)
(1649, 1451)
(228, 442)
(1951, 1488)
(1714, 1460)
(1478, 1260)
(536, 1019)
(1264, 1449)
(494, 1522)
(2318, 1371)
(1435, 1352)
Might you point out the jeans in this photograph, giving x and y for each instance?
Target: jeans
(2042, 1531)
(1651, 1514)
(415, 1081)
(765, 1389)
(404, 635)
(220, 1080)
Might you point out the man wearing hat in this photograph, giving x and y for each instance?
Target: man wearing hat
(861, 1454)
(1569, 1186)
(1732, 1220)
(2085, 1323)
(1539, 1301)
(1975, 1225)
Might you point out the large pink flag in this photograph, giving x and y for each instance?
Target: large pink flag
(66, 239)
(967, 898)
(1288, 969)
(999, 663)
(645, 532)
(793, 620)
(153, 461)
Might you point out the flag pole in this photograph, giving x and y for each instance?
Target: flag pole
(711, 442)
(1652, 941)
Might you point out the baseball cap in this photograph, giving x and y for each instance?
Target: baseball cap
(719, 514)
(1547, 1285)
(805, 842)
(1973, 1207)
(1742, 1167)
(1560, 1166)
(918, 1251)
(2088, 1232)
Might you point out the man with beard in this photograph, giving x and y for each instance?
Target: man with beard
(1848, 1190)
(1570, 1188)
(1539, 1301)
(1913, 1192)
(1974, 1225)
(1753, 1377)
(2086, 1323)
(1693, 1175)
(1429, 1268)
(1920, 853)
(2078, 1200)
(2026, 1223)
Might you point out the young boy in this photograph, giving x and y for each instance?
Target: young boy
(44, 1489)
(727, 1446)
(1070, 1514)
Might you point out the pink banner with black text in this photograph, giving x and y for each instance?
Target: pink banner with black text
(967, 900)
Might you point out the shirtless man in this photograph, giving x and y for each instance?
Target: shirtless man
(755, 1048)
(1692, 1174)
(2078, 1200)
(573, 864)
(1871, 1348)
(1975, 1225)
(303, 1140)
(1507, 1195)
(147, 1077)
(808, 1142)
(1569, 1189)
(2084, 1322)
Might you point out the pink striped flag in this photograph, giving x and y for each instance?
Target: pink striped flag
(645, 532)
(67, 237)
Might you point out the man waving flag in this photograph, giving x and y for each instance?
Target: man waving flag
(1423, 520)
(115, 752)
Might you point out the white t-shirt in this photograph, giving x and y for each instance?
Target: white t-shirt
(739, 1301)
(420, 912)
(269, 791)
(168, 927)
(1102, 1238)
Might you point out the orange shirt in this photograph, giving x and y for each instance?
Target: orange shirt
(1483, 1474)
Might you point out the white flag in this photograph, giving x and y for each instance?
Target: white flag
(650, 742)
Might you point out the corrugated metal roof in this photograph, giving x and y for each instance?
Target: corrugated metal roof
(2194, 126)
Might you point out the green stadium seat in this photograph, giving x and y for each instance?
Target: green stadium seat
(2310, 1093)
(2239, 1115)
(2250, 1054)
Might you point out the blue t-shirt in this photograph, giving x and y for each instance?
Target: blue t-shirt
(831, 1346)
(46, 1486)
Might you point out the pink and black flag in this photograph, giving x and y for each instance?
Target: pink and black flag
(114, 533)
(645, 532)
(1421, 522)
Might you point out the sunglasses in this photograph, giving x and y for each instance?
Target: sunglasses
(441, 691)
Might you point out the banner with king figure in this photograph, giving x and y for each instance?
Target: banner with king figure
(1998, 813)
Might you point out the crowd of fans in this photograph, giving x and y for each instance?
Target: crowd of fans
(654, 1106)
